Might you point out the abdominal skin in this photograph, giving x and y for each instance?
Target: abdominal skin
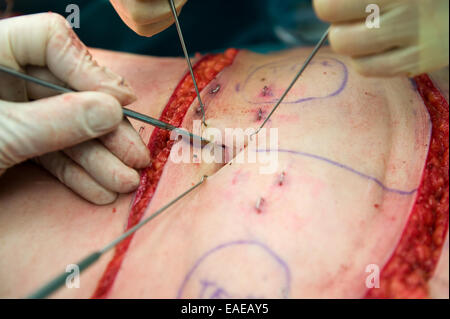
(160, 145)
(412, 264)
(415, 258)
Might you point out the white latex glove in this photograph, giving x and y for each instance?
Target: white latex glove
(147, 17)
(63, 127)
(412, 38)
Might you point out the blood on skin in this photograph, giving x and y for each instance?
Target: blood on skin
(240, 176)
(76, 42)
(266, 91)
(281, 179)
(415, 258)
(160, 145)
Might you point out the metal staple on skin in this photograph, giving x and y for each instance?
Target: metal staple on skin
(215, 90)
(281, 180)
(259, 204)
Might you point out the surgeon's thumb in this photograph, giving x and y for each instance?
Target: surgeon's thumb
(35, 128)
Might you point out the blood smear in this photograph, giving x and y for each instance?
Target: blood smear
(414, 260)
(160, 145)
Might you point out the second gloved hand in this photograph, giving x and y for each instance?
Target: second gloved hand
(413, 36)
(59, 131)
(146, 17)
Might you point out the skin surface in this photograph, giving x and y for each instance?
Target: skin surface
(350, 157)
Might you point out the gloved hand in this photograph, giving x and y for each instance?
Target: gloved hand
(147, 17)
(412, 38)
(63, 127)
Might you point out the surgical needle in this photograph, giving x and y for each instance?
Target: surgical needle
(183, 45)
(308, 60)
(60, 280)
(127, 112)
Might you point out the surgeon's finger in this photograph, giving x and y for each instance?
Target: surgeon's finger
(127, 145)
(356, 40)
(35, 128)
(47, 40)
(335, 11)
(104, 167)
(399, 28)
(76, 178)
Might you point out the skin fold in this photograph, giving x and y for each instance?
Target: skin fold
(349, 161)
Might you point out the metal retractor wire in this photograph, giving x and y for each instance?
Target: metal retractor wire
(127, 112)
(186, 55)
(88, 261)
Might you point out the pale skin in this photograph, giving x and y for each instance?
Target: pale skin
(313, 236)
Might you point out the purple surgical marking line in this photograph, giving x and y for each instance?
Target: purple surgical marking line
(345, 167)
(206, 284)
(339, 90)
(237, 243)
(219, 292)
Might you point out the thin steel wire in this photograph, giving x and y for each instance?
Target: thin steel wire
(188, 60)
(58, 281)
(308, 60)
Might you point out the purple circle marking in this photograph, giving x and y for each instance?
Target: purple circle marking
(237, 243)
(305, 99)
